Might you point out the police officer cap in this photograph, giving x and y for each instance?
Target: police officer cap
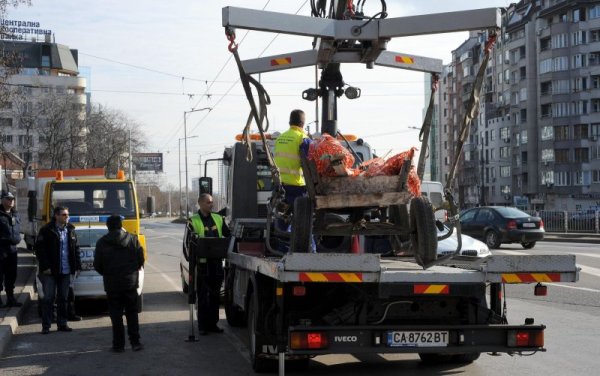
(6, 194)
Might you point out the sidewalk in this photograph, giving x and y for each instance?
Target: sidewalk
(10, 317)
(572, 237)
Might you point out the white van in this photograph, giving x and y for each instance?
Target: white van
(434, 191)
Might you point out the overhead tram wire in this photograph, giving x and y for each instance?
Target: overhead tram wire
(237, 81)
(180, 124)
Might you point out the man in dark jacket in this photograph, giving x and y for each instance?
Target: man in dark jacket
(9, 238)
(57, 252)
(119, 257)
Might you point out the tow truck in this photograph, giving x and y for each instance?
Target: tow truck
(299, 304)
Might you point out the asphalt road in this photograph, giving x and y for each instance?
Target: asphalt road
(570, 311)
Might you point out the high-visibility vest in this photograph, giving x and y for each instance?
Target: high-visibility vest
(199, 226)
(287, 156)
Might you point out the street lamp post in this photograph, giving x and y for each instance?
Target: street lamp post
(185, 137)
(180, 192)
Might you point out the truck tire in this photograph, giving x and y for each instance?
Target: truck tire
(465, 358)
(255, 340)
(300, 241)
(235, 316)
(423, 230)
(333, 244)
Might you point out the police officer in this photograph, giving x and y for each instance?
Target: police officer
(9, 238)
(209, 279)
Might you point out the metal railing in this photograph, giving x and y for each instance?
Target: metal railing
(583, 221)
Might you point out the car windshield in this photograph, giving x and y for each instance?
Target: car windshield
(511, 212)
(88, 237)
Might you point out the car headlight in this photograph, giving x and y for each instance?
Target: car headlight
(484, 250)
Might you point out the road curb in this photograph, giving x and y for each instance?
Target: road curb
(10, 322)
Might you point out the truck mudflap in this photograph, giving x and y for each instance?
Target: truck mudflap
(442, 339)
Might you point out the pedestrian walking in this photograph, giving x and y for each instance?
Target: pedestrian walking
(9, 238)
(119, 257)
(57, 252)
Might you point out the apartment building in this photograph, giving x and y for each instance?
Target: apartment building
(43, 73)
(535, 143)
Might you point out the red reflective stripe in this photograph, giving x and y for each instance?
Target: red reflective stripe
(431, 289)
(404, 59)
(281, 61)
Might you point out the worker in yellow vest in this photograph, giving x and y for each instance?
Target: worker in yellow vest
(209, 279)
(288, 148)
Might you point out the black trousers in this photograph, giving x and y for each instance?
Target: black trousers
(208, 288)
(8, 271)
(117, 303)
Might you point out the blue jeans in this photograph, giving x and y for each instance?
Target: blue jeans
(292, 192)
(55, 287)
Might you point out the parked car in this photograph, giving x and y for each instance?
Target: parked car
(498, 224)
(469, 246)
(89, 283)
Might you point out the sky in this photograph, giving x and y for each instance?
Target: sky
(154, 59)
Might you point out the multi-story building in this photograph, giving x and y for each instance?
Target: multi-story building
(535, 141)
(44, 73)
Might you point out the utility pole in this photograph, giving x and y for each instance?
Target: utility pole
(130, 158)
(185, 137)
(482, 201)
(180, 191)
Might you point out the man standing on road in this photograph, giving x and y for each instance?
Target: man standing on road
(57, 252)
(119, 257)
(209, 279)
(9, 238)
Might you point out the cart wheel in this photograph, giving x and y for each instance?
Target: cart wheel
(333, 244)
(423, 230)
(301, 225)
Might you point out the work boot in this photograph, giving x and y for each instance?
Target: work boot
(1, 303)
(11, 301)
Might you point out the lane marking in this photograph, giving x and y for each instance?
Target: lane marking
(175, 286)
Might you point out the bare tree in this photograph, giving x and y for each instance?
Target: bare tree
(108, 137)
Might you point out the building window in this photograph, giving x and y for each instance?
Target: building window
(578, 60)
(505, 171)
(561, 155)
(579, 84)
(504, 152)
(560, 109)
(560, 63)
(579, 37)
(582, 155)
(595, 35)
(595, 105)
(560, 40)
(6, 105)
(547, 133)
(595, 11)
(595, 82)
(546, 43)
(561, 132)
(7, 139)
(547, 155)
(6, 122)
(561, 178)
(25, 140)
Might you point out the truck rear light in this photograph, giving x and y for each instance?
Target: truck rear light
(511, 225)
(525, 338)
(299, 291)
(308, 340)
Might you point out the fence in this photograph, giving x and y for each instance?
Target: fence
(570, 221)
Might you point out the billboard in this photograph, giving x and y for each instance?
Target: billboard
(148, 162)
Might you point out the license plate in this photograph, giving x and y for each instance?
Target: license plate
(85, 266)
(529, 225)
(418, 339)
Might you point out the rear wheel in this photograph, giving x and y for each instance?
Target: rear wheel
(235, 316)
(528, 245)
(423, 231)
(333, 244)
(492, 239)
(255, 342)
(301, 225)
